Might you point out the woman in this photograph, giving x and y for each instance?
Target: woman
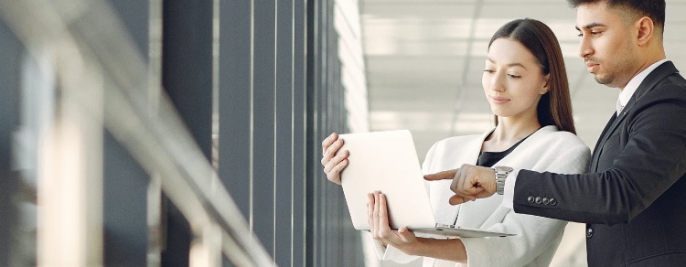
(526, 86)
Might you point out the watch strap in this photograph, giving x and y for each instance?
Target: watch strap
(501, 174)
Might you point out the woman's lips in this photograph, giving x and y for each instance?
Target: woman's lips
(499, 100)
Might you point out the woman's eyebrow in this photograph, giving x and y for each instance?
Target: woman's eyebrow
(509, 65)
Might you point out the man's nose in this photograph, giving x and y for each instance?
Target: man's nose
(585, 48)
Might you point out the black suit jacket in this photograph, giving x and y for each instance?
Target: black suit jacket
(634, 197)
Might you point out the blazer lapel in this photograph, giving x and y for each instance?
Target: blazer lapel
(471, 213)
(440, 190)
(646, 85)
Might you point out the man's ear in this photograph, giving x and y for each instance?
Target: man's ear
(645, 29)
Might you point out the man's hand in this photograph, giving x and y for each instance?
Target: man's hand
(469, 182)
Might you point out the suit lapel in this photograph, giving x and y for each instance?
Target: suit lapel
(646, 85)
(600, 142)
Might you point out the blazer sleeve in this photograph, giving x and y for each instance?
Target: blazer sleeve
(534, 234)
(651, 161)
(390, 253)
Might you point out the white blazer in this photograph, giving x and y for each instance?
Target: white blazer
(537, 238)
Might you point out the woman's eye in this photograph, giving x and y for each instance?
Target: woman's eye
(514, 76)
(488, 71)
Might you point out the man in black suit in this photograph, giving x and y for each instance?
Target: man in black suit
(633, 200)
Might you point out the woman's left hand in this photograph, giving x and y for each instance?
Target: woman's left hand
(402, 239)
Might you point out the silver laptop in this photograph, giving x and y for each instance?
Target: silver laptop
(387, 162)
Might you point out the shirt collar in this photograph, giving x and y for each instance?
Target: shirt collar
(633, 84)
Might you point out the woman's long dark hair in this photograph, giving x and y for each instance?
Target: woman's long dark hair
(555, 106)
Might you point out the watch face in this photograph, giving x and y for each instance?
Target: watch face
(503, 169)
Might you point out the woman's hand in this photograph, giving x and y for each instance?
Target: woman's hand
(403, 239)
(333, 161)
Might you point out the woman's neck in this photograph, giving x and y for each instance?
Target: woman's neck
(508, 132)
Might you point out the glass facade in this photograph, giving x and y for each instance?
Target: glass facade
(173, 133)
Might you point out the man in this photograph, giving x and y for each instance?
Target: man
(634, 197)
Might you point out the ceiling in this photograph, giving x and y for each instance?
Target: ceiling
(425, 58)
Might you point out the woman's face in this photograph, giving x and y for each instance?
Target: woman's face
(513, 81)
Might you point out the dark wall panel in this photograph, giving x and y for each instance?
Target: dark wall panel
(264, 122)
(10, 58)
(187, 65)
(136, 18)
(187, 79)
(313, 76)
(331, 239)
(284, 134)
(235, 100)
(124, 181)
(124, 204)
(299, 131)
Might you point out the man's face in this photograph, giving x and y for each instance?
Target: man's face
(607, 46)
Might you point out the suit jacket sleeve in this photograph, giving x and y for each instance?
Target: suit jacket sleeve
(650, 149)
(535, 234)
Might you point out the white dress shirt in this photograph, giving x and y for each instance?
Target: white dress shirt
(624, 96)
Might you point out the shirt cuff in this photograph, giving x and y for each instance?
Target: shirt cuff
(508, 194)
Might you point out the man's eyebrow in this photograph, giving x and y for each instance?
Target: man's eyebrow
(589, 26)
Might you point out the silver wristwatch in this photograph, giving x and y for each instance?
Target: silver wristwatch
(501, 173)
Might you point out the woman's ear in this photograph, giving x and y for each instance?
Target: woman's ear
(546, 84)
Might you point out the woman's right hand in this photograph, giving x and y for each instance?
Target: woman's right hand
(333, 161)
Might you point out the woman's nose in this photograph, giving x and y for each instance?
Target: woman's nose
(497, 83)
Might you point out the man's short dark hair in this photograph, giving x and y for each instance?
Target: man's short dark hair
(654, 9)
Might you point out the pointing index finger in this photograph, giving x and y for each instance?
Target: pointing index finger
(444, 175)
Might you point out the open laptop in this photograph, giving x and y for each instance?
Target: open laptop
(387, 162)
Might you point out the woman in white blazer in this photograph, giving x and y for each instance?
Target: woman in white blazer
(526, 86)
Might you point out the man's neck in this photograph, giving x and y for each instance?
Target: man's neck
(647, 62)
